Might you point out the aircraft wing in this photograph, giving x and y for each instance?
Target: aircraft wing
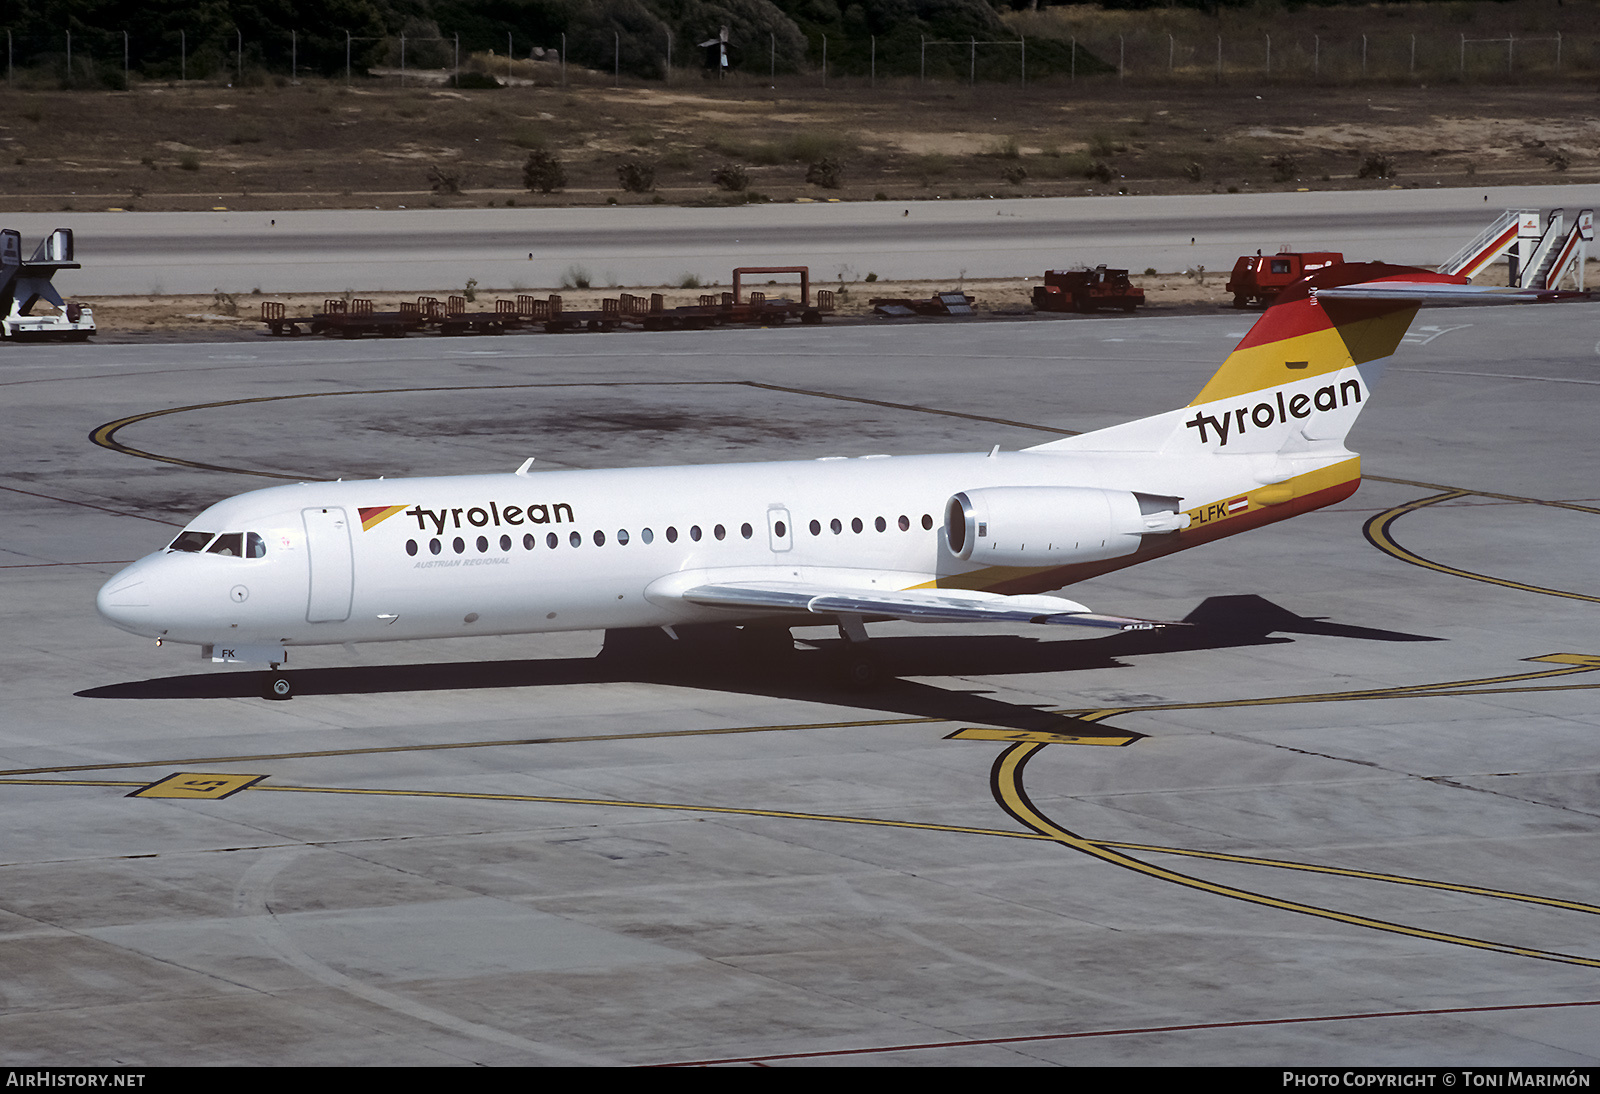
(916, 605)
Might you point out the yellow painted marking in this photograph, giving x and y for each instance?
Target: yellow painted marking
(1378, 534)
(1007, 781)
(213, 785)
(105, 435)
(1114, 845)
(1040, 736)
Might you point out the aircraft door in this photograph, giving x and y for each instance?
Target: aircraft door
(780, 529)
(332, 567)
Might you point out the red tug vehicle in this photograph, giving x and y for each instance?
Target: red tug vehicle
(1258, 278)
(1087, 290)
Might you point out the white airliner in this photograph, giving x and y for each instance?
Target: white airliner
(944, 538)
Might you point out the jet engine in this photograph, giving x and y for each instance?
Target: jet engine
(1051, 525)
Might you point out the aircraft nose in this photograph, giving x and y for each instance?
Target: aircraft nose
(125, 600)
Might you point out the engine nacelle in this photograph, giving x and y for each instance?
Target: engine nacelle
(1051, 525)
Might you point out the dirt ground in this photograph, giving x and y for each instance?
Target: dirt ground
(322, 145)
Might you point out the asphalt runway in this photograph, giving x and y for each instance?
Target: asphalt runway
(1349, 818)
(430, 249)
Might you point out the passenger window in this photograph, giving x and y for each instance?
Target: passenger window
(551, 540)
(229, 543)
(434, 546)
(879, 524)
(622, 537)
(528, 541)
(483, 544)
(816, 529)
(505, 543)
(647, 535)
(855, 525)
(720, 532)
(191, 541)
(694, 532)
(835, 526)
(672, 534)
(927, 523)
(599, 538)
(256, 547)
(458, 545)
(575, 539)
(905, 523)
(411, 546)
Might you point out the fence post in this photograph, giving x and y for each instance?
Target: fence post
(294, 57)
(667, 76)
(69, 58)
(509, 55)
(1172, 49)
(458, 60)
(402, 60)
(1219, 58)
(347, 58)
(563, 60)
(125, 60)
(1316, 55)
(183, 58)
(1511, 45)
(1269, 55)
(1022, 41)
(1122, 56)
(824, 60)
(972, 73)
(1363, 56)
(872, 72)
(1413, 55)
(1074, 59)
(1463, 56)
(239, 37)
(772, 64)
(924, 78)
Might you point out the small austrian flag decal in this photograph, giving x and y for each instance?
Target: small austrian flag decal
(370, 518)
(1238, 505)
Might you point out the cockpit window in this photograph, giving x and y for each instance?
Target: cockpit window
(228, 543)
(255, 546)
(191, 541)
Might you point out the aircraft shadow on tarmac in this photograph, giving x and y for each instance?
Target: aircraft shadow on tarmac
(806, 673)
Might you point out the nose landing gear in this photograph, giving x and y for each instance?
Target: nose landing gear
(278, 686)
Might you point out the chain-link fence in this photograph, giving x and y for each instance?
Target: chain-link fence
(88, 59)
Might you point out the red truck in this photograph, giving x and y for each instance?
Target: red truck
(1086, 290)
(1258, 278)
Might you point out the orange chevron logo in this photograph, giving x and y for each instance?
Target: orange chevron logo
(371, 518)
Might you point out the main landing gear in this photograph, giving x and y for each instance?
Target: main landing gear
(858, 668)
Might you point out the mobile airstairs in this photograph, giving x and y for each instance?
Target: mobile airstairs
(1541, 255)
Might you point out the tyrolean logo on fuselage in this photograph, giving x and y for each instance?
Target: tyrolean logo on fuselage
(495, 515)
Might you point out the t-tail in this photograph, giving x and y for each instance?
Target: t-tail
(1265, 437)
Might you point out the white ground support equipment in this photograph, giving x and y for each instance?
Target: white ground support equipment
(1541, 255)
(24, 284)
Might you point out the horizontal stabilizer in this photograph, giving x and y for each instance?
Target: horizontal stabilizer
(1426, 292)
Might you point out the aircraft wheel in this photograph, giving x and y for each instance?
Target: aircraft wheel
(1240, 301)
(860, 671)
(279, 687)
